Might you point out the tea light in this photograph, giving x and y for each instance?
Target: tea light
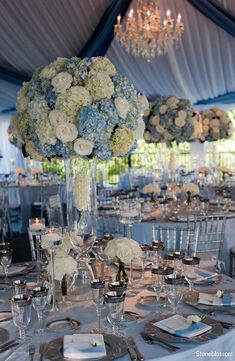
(51, 236)
(37, 225)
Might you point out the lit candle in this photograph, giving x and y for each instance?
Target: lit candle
(51, 239)
(37, 225)
(119, 19)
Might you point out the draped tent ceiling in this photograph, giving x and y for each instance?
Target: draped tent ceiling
(35, 32)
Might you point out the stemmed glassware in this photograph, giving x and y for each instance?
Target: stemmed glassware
(39, 301)
(35, 230)
(175, 296)
(190, 275)
(114, 302)
(158, 282)
(21, 313)
(5, 260)
(97, 286)
(129, 213)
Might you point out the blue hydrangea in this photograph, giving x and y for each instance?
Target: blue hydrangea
(91, 125)
(51, 97)
(34, 89)
(124, 88)
(109, 113)
(102, 151)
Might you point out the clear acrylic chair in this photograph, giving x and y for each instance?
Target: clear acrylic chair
(175, 237)
(209, 240)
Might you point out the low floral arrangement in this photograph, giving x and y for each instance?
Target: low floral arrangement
(190, 187)
(63, 263)
(125, 249)
(215, 125)
(171, 119)
(151, 188)
(19, 171)
(78, 107)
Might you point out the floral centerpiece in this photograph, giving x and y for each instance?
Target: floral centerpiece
(78, 107)
(216, 124)
(125, 250)
(190, 189)
(171, 119)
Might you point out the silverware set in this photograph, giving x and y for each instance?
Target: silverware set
(133, 350)
(158, 341)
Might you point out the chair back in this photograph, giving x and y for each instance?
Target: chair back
(174, 237)
(210, 231)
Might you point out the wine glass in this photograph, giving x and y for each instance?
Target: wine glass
(21, 313)
(129, 213)
(158, 282)
(19, 287)
(191, 276)
(97, 286)
(5, 260)
(114, 302)
(39, 301)
(175, 296)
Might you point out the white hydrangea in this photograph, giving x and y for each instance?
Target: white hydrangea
(46, 132)
(190, 187)
(80, 96)
(123, 248)
(122, 107)
(180, 122)
(155, 120)
(66, 132)
(62, 81)
(100, 86)
(83, 146)
(56, 118)
(104, 65)
(151, 188)
(38, 108)
(63, 265)
(48, 72)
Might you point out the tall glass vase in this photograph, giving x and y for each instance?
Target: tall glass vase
(81, 220)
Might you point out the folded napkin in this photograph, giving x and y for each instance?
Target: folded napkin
(81, 346)
(228, 299)
(178, 325)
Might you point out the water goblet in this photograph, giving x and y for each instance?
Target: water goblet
(190, 275)
(20, 287)
(114, 301)
(97, 286)
(158, 282)
(175, 296)
(5, 260)
(21, 313)
(120, 289)
(39, 301)
(129, 213)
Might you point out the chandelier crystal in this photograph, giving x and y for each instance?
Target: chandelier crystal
(144, 33)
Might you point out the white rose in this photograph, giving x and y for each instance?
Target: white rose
(124, 248)
(56, 118)
(182, 114)
(62, 81)
(155, 120)
(143, 105)
(140, 129)
(83, 146)
(219, 293)
(63, 265)
(122, 107)
(48, 72)
(193, 319)
(66, 132)
(163, 109)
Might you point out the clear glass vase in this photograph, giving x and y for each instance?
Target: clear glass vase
(81, 221)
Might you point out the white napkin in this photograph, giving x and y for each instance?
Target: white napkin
(178, 325)
(228, 299)
(80, 346)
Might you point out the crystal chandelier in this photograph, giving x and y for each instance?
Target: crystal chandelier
(144, 33)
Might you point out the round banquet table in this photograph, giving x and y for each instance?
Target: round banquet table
(85, 313)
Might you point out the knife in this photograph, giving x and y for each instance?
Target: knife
(3, 345)
(132, 342)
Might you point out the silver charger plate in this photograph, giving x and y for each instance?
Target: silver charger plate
(5, 316)
(4, 335)
(115, 347)
(153, 331)
(63, 324)
(149, 302)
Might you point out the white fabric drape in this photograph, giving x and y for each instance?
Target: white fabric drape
(7, 150)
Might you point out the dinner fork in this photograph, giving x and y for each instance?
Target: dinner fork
(31, 352)
(166, 345)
